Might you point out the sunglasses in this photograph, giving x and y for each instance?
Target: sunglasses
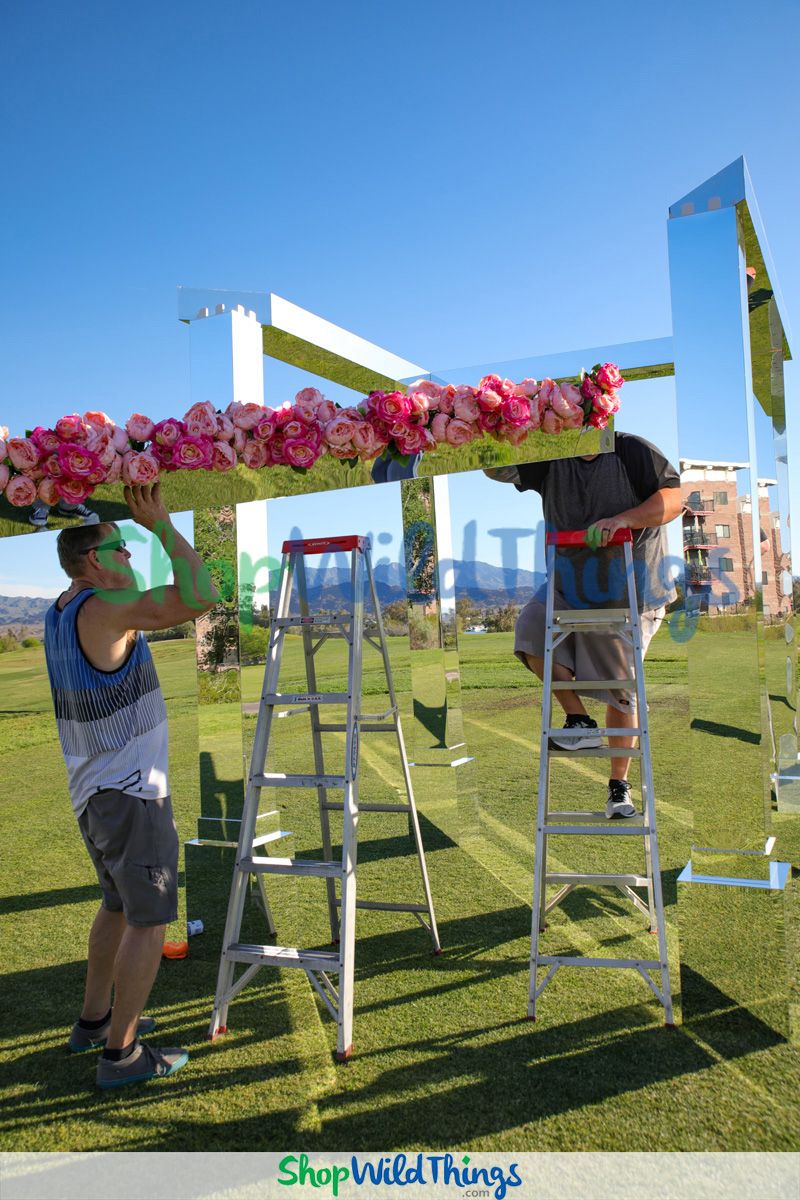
(120, 545)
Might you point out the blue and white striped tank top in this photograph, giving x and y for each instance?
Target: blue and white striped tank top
(112, 725)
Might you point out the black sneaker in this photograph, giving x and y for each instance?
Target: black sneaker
(619, 803)
(39, 514)
(589, 741)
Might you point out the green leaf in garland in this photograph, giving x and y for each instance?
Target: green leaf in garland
(351, 462)
(299, 470)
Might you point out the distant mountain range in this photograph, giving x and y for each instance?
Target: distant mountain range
(483, 583)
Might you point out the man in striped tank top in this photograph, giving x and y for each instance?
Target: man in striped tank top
(112, 725)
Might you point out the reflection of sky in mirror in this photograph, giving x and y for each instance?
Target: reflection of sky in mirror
(30, 561)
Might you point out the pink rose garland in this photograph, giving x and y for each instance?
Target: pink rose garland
(80, 452)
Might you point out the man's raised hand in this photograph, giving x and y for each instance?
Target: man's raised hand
(146, 505)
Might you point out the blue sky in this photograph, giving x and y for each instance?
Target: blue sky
(455, 182)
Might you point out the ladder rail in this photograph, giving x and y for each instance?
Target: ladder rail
(413, 815)
(627, 624)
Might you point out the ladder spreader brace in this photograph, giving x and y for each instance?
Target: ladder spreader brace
(560, 624)
(319, 965)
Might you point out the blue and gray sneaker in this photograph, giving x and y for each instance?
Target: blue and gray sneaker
(144, 1062)
(94, 1039)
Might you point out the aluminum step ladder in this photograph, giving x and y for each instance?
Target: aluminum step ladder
(560, 624)
(319, 965)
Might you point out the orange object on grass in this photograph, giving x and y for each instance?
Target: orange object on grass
(175, 950)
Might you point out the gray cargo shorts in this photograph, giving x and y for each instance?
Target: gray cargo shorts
(133, 844)
(586, 655)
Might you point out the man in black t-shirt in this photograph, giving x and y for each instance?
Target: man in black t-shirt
(635, 487)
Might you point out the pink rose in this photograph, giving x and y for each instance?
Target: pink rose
(71, 428)
(20, 491)
(114, 469)
(74, 491)
(266, 426)
(413, 440)
(78, 462)
(247, 416)
(98, 421)
(201, 419)
(589, 389)
(306, 411)
(23, 453)
(162, 455)
(459, 432)
(300, 453)
(527, 387)
(343, 452)
(488, 400)
(296, 428)
(254, 455)
(538, 409)
(551, 422)
(428, 388)
(572, 393)
(563, 407)
(608, 403)
(608, 377)
(326, 411)
(47, 492)
(224, 428)
(309, 396)
(365, 440)
(549, 391)
(488, 422)
(390, 406)
(120, 440)
(598, 420)
(3, 450)
(103, 447)
(274, 451)
(167, 433)
(420, 407)
(44, 439)
(224, 456)
(52, 466)
(239, 440)
(467, 408)
(193, 453)
(515, 411)
(447, 401)
(5, 475)
(339, 431)
(517, 436)
(439, 426)
(139, 428)
(142, 467)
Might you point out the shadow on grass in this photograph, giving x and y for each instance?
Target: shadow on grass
(417, 1086)
(434, 719)
(729, 731)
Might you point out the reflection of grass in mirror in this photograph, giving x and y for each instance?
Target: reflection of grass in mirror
(443, 1054)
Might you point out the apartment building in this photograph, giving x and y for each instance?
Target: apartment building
(718, 540)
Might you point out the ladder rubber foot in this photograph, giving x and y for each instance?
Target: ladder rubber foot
(530, 1018)
(437, 953)
(212, 1037)
(343, 1057)
(653, 931)
(668, 1025)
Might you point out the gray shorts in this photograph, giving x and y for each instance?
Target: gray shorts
(133, 844)
(586, 655)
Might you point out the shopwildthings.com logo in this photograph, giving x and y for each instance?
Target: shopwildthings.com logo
(399, 1170)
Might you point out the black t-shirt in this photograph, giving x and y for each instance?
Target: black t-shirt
(576, 493)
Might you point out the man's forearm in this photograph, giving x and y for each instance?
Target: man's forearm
(659, 509)
(192, 577)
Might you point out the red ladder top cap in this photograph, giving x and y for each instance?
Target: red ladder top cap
(326, 545)
(577, 537)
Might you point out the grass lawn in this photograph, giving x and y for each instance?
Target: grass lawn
(444, 1056)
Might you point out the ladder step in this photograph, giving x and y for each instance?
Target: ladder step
(277, 779)
(598, 752)
(291, 866)
(282, 956)
(560, 960)
(599, 878)
(363, 727)
(582, 732)
(338, 806)
(599, 615)
(385, 906)
(590, 818)
(272, 698)
(285, 622)
(614, 827)
(592, 685)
